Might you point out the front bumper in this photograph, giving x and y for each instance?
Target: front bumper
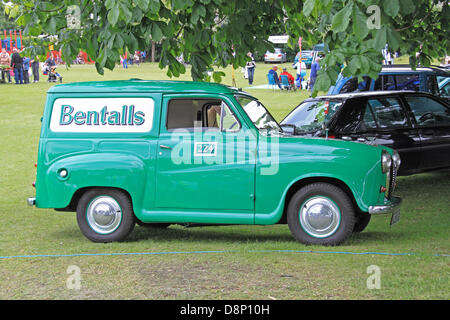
(392, 207)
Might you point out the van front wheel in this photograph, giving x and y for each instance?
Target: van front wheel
(321, 213)
(105, 215)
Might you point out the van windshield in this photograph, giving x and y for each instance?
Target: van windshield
(258, 114)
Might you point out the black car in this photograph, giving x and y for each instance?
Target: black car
(416, 124)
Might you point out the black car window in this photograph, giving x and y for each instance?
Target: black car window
(369, 119)
(385, 113)
(402, 82)
(444, 86)
(432, 84)
(428, 112)
(309, 116)
(352, 85)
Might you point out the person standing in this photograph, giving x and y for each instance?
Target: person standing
(35, 68)
(250, 66)
(5, 60)
(16, 63)
(26, 69)
(313, 75)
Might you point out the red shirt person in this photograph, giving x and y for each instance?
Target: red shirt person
(290, 77)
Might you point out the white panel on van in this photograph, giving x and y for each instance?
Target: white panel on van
(102, 115)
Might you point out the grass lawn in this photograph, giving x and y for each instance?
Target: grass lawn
(246, 265)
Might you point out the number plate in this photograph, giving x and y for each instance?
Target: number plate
(395, 217)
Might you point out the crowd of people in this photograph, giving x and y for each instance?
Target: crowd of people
(294, 83)
(137, 58)
(22, 68)
(300, 82)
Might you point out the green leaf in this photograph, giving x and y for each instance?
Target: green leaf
(113, 15)
(380, 38)
(154, 6)
(157, 34)
(126, 12)
(308, 7)
(391, 7)
(197, 12)
(359, 23)
(143, 4)
(393, 39)
(52, 25)
(407, 6)
(217, 76)
(109, 4)
(342, 18)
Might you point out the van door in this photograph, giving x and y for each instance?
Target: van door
(205, 159)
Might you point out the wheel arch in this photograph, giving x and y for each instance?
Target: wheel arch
(309, 180)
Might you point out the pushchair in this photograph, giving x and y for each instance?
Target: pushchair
(53, 75)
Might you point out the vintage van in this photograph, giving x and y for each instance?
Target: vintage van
(171, 152)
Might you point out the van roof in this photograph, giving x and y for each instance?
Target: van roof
(137, 85)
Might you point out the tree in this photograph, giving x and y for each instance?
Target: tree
(6, 23)
(216, 33)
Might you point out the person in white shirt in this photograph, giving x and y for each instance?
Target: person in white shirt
(301, 73)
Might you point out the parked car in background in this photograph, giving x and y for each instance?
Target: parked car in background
(278, 56)
(415, 124)
(307, 58)
(398, 77)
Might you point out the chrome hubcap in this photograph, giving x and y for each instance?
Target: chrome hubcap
(319, 217)
(104, 215)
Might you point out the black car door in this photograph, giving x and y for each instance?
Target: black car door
(382, 120)
(432, 117)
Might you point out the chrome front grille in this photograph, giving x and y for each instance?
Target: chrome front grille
(391, 178)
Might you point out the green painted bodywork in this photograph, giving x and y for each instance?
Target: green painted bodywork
(161, 191)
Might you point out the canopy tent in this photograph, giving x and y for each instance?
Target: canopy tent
(279, 39)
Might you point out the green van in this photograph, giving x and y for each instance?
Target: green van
(171, 152)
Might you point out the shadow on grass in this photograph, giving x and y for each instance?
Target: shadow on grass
(222, 235)
(430, 185)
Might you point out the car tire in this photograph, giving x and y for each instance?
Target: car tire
(361, 222)
(105, 215)
(321, 214)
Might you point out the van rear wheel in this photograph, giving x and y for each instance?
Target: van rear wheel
(105, 215)
(321, 214)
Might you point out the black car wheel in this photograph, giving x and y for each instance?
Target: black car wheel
(105, 215)
(322, 214)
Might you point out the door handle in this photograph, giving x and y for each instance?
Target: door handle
(162, 146)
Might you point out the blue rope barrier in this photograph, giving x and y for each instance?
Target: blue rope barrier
(215, 251)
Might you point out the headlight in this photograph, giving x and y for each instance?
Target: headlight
(386, 161)
(396, 159)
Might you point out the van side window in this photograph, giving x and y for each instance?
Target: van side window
(211, 114)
